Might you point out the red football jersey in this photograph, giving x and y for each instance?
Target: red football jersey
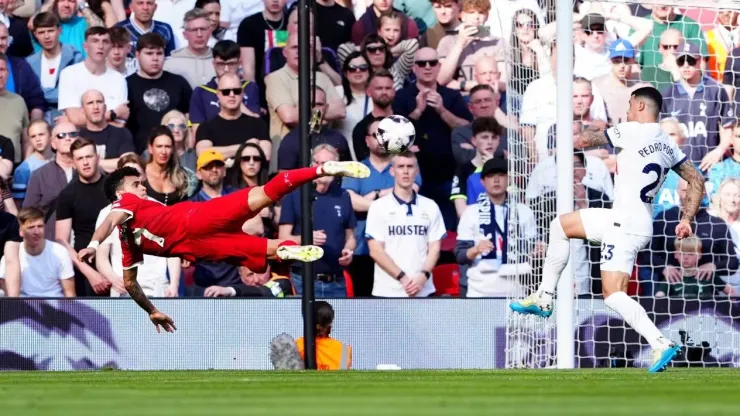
(152, 228)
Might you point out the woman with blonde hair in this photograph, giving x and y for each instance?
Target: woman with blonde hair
(166, 181)
(184, 142)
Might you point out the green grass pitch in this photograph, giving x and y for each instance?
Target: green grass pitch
(695, 392)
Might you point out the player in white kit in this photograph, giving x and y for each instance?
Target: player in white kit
(644, 156)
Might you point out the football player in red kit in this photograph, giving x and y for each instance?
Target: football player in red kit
(210, 231)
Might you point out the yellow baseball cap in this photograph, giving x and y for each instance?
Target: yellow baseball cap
(209, 156)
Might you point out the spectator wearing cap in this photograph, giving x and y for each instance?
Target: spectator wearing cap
(48, 181)
(665, 17)
(211, 170)
(482, 246)
(702, 106)
(666, 72)
(334, 228)
(435, 110)
(617, 86)
(593, 60)
(288, 153)
(363, 192)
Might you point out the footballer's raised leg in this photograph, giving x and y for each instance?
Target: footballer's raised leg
(286, 182)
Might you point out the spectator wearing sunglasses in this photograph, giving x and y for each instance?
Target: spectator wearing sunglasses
(204, 101)
(380, 56)
(593, 58)
(663, 75)
(354, 88)
(152, 91)
(111, 142)
(48, 181)
(664, 17)
(703, 108)
(435, 110)
(231, 127)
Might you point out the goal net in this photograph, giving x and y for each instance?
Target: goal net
(618, 46)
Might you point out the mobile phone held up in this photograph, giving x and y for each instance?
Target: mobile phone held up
(483, 32)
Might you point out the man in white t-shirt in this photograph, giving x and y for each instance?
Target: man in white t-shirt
(645, 155)
(404, 232)
(93, 73)
(46, 269)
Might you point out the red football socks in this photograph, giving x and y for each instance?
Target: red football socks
(286, 182)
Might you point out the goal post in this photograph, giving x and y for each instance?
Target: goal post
(582, 331)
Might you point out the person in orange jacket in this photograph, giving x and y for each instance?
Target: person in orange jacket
(331, 354)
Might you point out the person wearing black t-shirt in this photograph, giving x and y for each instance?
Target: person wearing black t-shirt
(380, 89)
(10, 241)
(333, 23)
(152, 91)
(258, 33)
(111, 142)
(78, 207)
(466, 184)
(7, 157)
(230, 128)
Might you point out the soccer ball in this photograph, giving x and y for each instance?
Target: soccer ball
(396, 134)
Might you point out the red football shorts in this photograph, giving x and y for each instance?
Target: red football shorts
(234, 248)
(225, 214)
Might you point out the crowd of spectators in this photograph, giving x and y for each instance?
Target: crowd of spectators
(201, 96)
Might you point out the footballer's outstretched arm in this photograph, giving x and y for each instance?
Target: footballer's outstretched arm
(695, 191)
(114, 219)
(592, 137)
(137, 294)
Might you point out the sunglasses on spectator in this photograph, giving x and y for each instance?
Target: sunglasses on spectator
(250, 158)
(181, 126)
(686, 59)
(357, 68)
(667, 47)
(427, 63)
(229, 91)
(375, 49)
(68, 135)
(594, 31)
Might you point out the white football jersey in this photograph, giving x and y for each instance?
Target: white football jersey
(645, 154)
(406, 237)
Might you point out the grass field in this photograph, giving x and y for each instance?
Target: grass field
(546, 392)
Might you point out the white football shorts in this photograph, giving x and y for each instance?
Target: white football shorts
(618, 249)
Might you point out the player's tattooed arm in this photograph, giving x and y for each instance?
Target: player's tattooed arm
(136, 292)
(695, 191)
(592, 137)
